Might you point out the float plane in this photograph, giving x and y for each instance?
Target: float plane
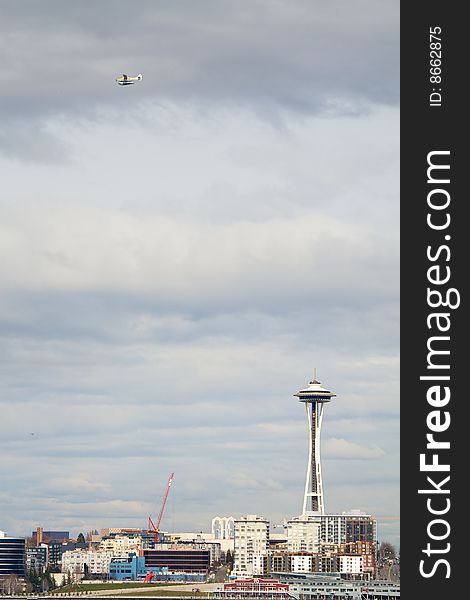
(127, 79)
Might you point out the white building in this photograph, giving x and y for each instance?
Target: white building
(350, 563)
(74, 561)
(121, 545)
(259, 564)
(251, 537)
(223, 528)
(303, 533)
(334, 528)
(302, 563)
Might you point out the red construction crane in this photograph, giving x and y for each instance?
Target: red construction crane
(155, 527)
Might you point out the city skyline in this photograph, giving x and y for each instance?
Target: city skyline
(178, 255)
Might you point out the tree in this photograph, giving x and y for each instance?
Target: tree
(34, 580)
(81, 538)
(388, 566)
(48, 582)
(91, 533)
(387, 552)
(12, 585)
(229, 558)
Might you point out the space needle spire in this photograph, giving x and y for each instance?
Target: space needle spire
(314, 396)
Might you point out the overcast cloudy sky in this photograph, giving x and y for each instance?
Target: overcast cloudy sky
(178, 255)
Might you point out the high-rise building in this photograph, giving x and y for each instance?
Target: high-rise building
(251, 537)
(361, 528)
(353, 526)
(314, 396)
(37, 558)
(12, 555)
(303, 533)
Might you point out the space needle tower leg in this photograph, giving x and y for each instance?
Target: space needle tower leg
(314, 397)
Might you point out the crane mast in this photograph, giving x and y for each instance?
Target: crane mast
(155, 527)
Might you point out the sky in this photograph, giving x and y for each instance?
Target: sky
(177, 256)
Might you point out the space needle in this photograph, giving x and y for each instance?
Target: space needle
(314, 396)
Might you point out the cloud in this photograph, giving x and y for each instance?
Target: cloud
(176, 257)
(259, 53)
(19, 141)
(338, 448)
(264, 57)
(66, 486)
(243, 481)
(83, 248)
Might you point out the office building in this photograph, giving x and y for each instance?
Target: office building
(12, 555)
(178, 559)
(127, 568)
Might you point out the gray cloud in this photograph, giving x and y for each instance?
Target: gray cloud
(263, 55)
(294, 54)
(175, 258)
